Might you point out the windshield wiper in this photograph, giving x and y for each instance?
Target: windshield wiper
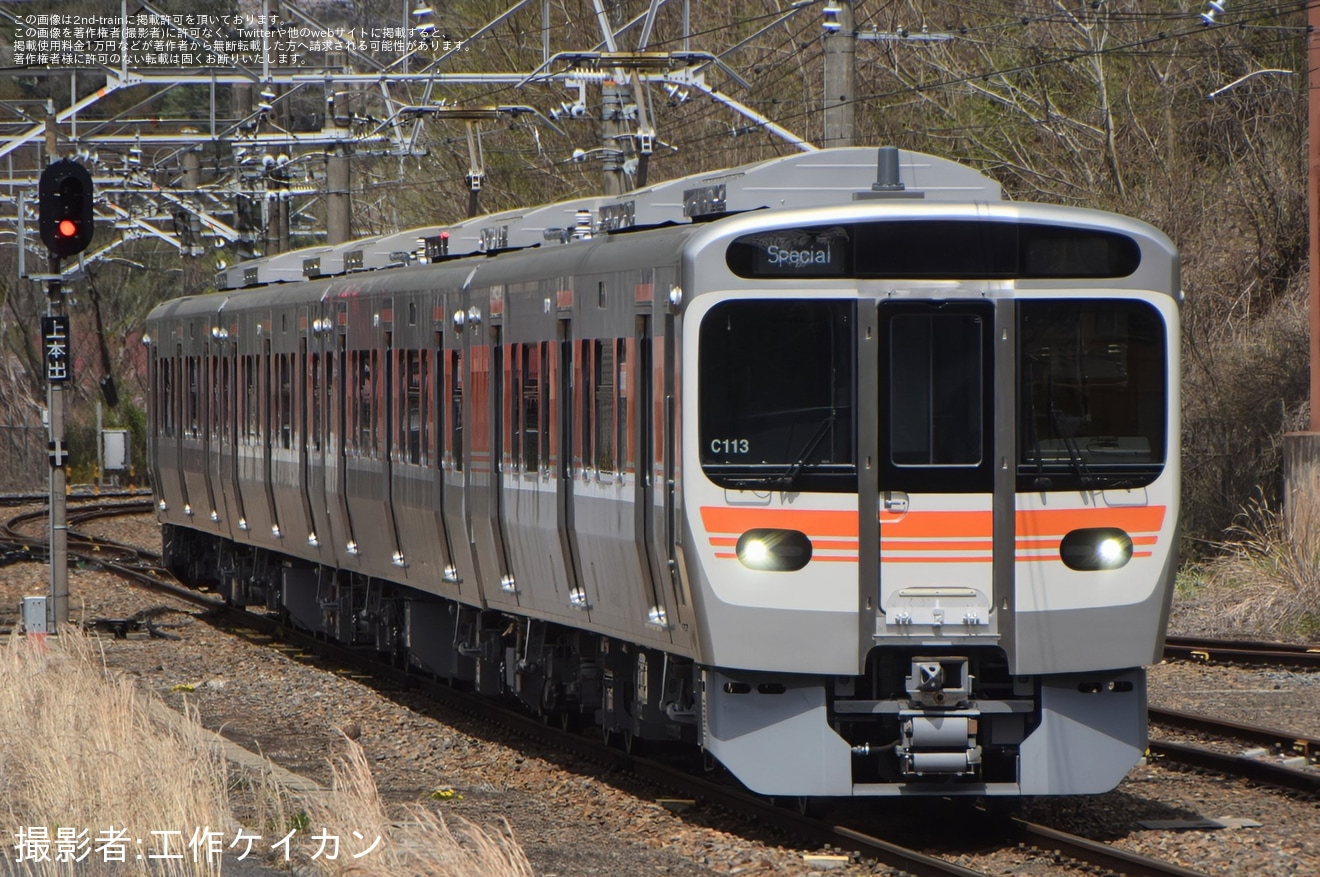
(789, 475)
(784, 478)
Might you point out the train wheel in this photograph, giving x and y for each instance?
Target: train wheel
(632, 744)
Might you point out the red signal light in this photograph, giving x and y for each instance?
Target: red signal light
(65, 213)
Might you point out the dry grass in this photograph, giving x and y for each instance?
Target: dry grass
(81, 756)
(423, 845)
(1266, 583)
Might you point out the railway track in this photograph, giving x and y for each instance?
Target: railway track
(1242, 652)
(1279, 758)
(140, 567)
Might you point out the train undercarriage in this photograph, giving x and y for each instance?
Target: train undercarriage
(918, 721)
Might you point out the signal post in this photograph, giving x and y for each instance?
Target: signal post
(65, 218)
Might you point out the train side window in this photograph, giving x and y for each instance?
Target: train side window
(606, 384)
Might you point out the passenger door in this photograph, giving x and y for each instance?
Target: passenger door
(936, 474)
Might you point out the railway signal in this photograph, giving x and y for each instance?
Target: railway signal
(65, 211)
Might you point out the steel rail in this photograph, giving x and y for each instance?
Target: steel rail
(1098, 854)
(1253, 769)
(1242, 651)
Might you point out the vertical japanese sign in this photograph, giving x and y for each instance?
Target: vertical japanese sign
(55, 340)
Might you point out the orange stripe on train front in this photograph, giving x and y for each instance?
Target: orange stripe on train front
(1058, 522)
(1030, 523)
(1037, 523)
(813, 523)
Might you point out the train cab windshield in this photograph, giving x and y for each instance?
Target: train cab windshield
(776, 394)
(1092, 394)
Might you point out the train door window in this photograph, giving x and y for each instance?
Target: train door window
(513, 387)
(352, 401)
(336, 386)
(499, 402)
(267, 397)
(776, 394)
(583, 427)
(627, 373)
(225, 397)
(301, 388)
(533, 367)
(412, 419)
(249, 388)
(361, 410)
(456, 408)
(936, 395)
(605, 384)
(241, 416)
(284, 413)
(211, 418)
(566, 418)
(376, 410)
(165, 396)
(436, 389)
(193, 400)
(362, 396)
(479, 420)
(426, 403)
(314, 392)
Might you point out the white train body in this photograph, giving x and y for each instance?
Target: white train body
(867, 486)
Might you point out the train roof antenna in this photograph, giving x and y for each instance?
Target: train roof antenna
(886, 172)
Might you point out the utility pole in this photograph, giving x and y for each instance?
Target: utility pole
(613, 133)
(840, 73)
(338, 209)
(190, 234)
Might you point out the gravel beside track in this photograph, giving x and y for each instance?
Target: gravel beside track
(584, 819)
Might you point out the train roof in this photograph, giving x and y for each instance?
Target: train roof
(807, 179)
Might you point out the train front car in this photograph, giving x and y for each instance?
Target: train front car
(930, 484)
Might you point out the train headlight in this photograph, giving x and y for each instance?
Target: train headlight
(774, 550)
(1096, 548)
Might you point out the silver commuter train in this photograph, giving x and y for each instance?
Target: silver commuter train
(838, 466)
